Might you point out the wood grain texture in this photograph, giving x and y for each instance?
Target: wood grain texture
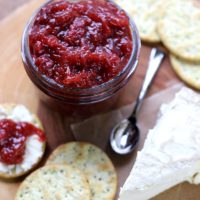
(16, 87)
(6, 7)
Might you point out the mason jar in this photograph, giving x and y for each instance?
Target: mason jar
(74, 101)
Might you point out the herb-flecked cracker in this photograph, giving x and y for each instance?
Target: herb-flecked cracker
(189, 72)
(146, 14)
(179, 28)
(54, 182)
(93, 162)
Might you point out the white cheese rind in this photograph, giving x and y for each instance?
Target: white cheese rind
(171, 153)
(34, 147)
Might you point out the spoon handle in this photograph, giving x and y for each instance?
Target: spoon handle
(155, 60)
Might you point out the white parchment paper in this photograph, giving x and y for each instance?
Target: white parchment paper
(97, 129)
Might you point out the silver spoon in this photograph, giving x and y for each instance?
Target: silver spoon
(125, 135)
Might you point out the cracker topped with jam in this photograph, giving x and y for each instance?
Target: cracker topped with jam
(22, 140)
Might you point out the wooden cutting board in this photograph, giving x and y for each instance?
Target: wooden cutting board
(16, 87)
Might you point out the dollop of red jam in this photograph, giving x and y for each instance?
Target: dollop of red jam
(13, 136)
(81, 44)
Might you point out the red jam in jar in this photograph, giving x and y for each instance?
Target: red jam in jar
(80, 44)
(13, 136)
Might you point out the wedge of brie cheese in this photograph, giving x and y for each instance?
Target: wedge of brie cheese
(171, 153)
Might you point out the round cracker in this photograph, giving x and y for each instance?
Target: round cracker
(9, 107)
(146, 14)
(54, 182)
(93, 162)
(179, 28)
(189, 72)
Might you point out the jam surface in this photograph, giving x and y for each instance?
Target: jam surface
(13, 138)
(80, 44)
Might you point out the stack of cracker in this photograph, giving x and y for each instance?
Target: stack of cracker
(74, 171)
(175, 23)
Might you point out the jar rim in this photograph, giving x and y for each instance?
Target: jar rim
(48, 83)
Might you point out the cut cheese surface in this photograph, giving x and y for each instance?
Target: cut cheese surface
(171, 153)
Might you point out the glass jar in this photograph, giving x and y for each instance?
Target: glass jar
(81, 102)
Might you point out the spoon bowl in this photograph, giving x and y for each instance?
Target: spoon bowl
(124, 137)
